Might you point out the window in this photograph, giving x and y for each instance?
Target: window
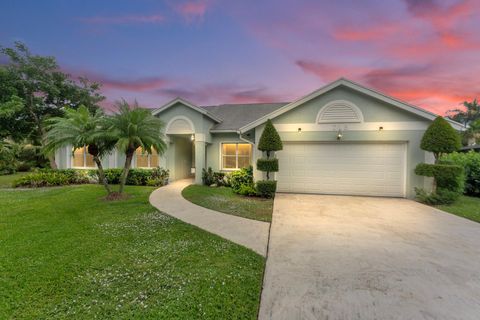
(145, 160)
(236, 155)
(82, 159)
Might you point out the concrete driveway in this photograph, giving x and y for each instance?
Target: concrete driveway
(339, 257)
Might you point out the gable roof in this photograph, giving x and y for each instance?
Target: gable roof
(354, 86)
(187, 104)
(235, 116)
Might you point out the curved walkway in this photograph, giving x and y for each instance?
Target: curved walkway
(246, 232)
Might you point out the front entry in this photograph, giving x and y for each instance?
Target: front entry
(180, 158)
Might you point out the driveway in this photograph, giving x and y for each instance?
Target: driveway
(339, 257)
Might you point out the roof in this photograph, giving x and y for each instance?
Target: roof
(475, 147)
(188, 104)
(354, 86)
(235, 116)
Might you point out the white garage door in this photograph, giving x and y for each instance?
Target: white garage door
(373, 169)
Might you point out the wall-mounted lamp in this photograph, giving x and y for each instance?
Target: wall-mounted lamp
(192, 137)
(339, 135)
(380, 128)
(299, 130)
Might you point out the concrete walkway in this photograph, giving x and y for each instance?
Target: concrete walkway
(339, 257)
(246, 232)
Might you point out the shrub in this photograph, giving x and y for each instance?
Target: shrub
(207, 176)
(219, 179)
(440, 138)
(48, 177)
(441, 196)
(471, 164)
(270, 139)
(241, 177)
(447, 176)
(266, 188)
(269, 165)
(247, 190)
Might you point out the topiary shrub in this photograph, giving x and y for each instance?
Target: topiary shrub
(450, 177)
(440, 138)
(470, 162)
(268, 165)
(266, 188)
(269, 141)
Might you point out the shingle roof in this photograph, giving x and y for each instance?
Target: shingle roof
(235, 116)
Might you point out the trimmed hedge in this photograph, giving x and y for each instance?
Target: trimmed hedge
(450, 183)
(269, 165)
(49, 178)
(470, 162)
(447, 176)
(266, 188)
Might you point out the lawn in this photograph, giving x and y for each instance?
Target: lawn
(467, 207)
(66, 253)
(225, 200)
(7, 180)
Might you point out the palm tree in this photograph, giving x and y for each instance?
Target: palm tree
(470, 114)
(80, 128)
(133, 128)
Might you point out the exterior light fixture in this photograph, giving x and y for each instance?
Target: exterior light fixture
(299, 130)
(339, 135)
(192, 137)
(380, 128)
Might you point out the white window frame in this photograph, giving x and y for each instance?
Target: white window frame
(236, 143)
(72, 161)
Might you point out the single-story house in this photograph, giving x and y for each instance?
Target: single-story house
(343, 138)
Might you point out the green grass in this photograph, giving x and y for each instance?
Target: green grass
(7, 180)
(467, 207)
(225, 200)
(65, 253)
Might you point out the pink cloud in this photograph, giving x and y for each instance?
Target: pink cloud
(192, 10)
(129, 19)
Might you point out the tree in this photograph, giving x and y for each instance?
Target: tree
(134, 127)
(79, 128)
(467, 115)
(36, 90)
(440, 138)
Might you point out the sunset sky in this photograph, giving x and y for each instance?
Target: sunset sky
(425, 52)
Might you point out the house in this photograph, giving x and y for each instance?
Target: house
(343, 138)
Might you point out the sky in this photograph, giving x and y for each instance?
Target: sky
(425, 52)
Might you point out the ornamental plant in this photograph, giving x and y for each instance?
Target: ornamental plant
(448, 179)
(269, 142)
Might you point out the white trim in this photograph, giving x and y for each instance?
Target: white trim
(349, 104)
(365, 126)
(354, 86)
(220, 152)
(187, 104)
(192, 127)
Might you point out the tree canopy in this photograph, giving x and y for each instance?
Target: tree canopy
(440, 138)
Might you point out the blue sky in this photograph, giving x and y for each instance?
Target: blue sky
(208, 51)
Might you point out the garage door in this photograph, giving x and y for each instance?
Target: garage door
(343, 168)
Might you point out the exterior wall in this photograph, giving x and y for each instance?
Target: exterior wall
(398, 126)
(214, 151)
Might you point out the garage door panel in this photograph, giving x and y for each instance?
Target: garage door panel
(356, 168)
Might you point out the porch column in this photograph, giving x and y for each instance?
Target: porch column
(200, 145)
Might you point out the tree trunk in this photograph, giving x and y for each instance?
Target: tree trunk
(126, 169)
(101, 175)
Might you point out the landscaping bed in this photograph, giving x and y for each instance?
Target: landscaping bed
(225, 200)
(66, 253)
